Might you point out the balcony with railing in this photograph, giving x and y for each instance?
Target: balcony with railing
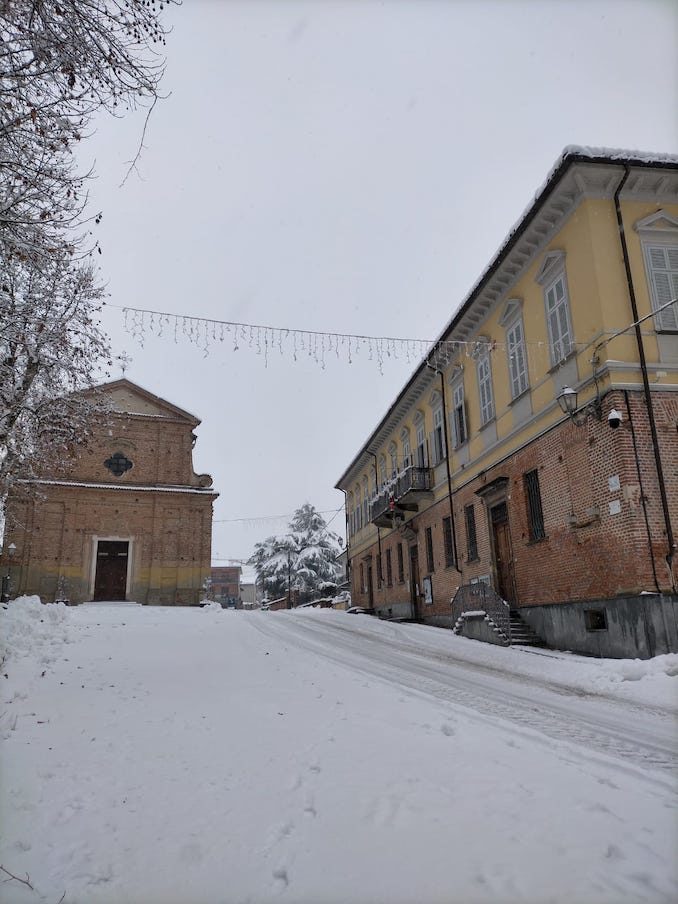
(402, 494)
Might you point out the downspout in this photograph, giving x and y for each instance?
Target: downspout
(646, 383)
(348, 538)
(448, 448)
(642, 489)
(380, 573)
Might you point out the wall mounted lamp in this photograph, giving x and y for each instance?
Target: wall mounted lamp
(568, 405)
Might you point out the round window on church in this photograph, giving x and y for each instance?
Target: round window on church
(118, 464)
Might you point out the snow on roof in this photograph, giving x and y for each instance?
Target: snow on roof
(572, 153)
(122, 486)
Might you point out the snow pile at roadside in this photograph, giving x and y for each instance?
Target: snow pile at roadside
(651, 682)
(30, 629)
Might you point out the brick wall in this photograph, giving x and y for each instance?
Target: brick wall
(591, 550)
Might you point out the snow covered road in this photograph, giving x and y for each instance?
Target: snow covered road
(177, 755)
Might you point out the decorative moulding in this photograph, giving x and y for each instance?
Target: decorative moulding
(552, 264)
(659, 222)
(512, 309)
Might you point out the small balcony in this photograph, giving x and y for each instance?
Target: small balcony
(402, 495)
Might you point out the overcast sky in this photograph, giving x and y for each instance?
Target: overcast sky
(349, 167)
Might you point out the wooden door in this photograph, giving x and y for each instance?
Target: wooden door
(414, 580)
(110, 581)
(503, 559)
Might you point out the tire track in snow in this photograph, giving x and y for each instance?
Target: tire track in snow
(616, 729)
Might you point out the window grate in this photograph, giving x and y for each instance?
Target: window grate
(429, 550)
(447, 539)
(535, 514)
(389, 569)
(401, 564)
(471, 537)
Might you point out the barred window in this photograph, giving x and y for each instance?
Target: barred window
(429, 550)
(447, 538)
(380, 575)
(401, 564)
(535, 514)
(471, 538)
(389, 569)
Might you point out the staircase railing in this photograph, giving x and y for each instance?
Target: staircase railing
(481, 597)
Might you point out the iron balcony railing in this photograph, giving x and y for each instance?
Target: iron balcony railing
(402, 492)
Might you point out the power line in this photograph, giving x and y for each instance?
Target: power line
(254, 519)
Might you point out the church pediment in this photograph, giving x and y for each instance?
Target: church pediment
(129, 398)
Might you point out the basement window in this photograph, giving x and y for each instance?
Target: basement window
(595, 619)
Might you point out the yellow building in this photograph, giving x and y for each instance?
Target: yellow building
(528, 470)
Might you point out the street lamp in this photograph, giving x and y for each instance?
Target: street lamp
(568, 405)
(6, 578)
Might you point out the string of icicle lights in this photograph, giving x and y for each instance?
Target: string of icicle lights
(206, 333)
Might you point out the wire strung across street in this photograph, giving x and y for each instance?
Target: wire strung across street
(318, 345)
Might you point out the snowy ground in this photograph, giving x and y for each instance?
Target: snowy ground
(190, 756)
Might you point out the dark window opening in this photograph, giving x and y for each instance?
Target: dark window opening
(535, 514)
(380, 575)
(118, 464)
(596, 619)
(447, 538)
(401, 564)
(389, 569)
(471, 537)
(429, 550)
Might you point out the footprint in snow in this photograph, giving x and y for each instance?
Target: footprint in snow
(281, 879)
(448, 730)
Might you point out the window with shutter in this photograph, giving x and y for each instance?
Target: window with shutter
(662, 263)
(558, 319)
(517, 358)
(458, 425)
(439, 450)
(485, 390)
(421, 446)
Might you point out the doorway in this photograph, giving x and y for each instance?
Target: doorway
(414, 579)
(503, 559)
(110, 579)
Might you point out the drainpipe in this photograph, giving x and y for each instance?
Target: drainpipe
(642, 489)
(448, 447)
(348, 538)
(380, 573)
(646, 383)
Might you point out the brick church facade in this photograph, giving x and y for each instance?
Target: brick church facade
(129, 520)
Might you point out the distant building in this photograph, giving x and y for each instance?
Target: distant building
(129, 520)
(535, 449)
(225, 587)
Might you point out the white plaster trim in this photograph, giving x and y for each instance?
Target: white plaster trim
(552, 265)
(653, 224)
(199, 491)
(93, 569)
(512, 310)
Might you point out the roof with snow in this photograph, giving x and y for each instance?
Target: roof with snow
(572, 155)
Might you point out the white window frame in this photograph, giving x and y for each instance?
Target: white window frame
(458, 419)
(439, 445)
(551, 275)
(665, 321)
(485, 390)
(407, 449)
(516, 353)
(421, 444)
(393, 453)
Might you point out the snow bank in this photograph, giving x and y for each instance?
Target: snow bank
(30, 629)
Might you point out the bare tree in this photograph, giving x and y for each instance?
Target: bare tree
(61, 61)
(50, 343)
